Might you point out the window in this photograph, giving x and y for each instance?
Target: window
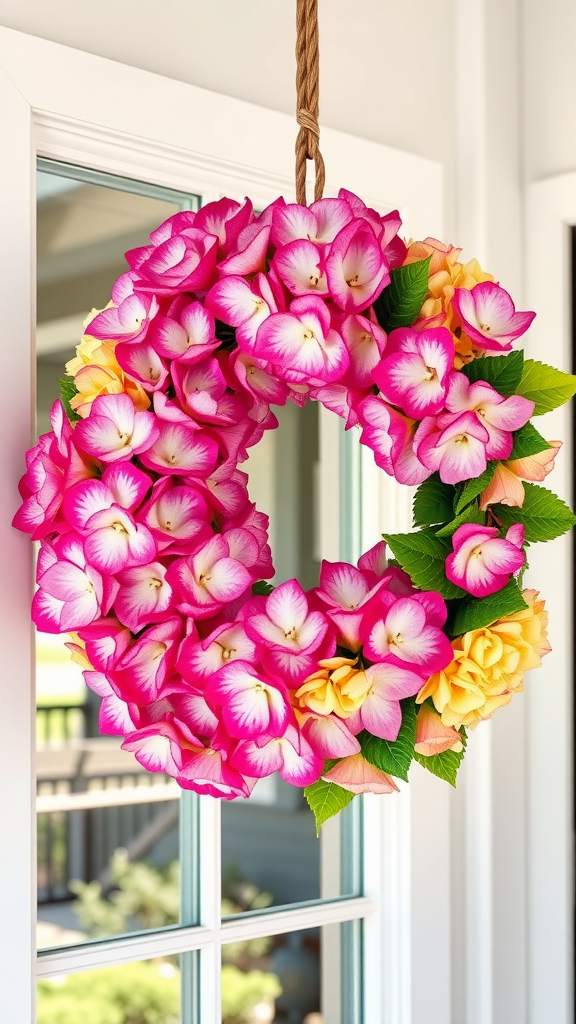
(113, 840)
(352, 925)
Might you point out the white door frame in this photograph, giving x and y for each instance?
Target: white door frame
(551, 213)
(72, 106)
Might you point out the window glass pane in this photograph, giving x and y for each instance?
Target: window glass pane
(306, 977)
(270, 852)
(103, 821)
(143, 992)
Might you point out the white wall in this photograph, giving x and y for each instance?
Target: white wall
(385, 64)
(549, 85)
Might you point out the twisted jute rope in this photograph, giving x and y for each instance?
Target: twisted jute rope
(307, 97)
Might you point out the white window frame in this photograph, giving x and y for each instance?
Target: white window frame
(68, 105)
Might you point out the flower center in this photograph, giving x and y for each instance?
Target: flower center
(476, 552)
(430, 373)
(353, 282)
(314, 281)
(124, 438)
(119, 527)
(227, 653)
(154, 583)
(461, 439)
(291, 634)
(485, 327)
(308, 334)
(204, 578)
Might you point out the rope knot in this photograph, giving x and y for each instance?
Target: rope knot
(306, 119)
(307, 94)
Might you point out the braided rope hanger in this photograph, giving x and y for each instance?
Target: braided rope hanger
(307, 98)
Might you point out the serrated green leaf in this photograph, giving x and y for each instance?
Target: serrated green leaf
(502, 372)
(261, 588)
(546, 386)
(543, 514)
(471, 514)
(472, 488)
(325, 799)
(527, 441)
(399, 304)
(68, 391)
(478, 612)
(444, 765)
(423, 556)
(393, 757)
(433, 502)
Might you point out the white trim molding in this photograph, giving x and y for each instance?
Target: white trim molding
(551, 215)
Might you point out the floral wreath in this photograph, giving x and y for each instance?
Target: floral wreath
(153, 556)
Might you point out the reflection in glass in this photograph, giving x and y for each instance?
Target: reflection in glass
(270, 852)
(295, 978)
(144, 992)
(102, 819)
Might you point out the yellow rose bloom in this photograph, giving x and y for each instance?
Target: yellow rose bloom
(334, 688)
(489, 666)
(96, 372)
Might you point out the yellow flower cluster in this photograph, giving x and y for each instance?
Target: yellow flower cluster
(445, 275)
(489, 666)
(96, 372)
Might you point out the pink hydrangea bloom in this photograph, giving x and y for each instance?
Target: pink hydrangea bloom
(489, 316)
(498, 415)
(482, 562)
(415, 371)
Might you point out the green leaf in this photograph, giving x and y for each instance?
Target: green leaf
(502, 372)
(68, 391)
(543, 514)
(423, 556)
(445, 765)
(478, 612)
(326, 799)
(545, 386)
(393, 757)
(527, 441)
(471, 514)
(433, 502)
(262, 588)
(472, 488)
(399, 304)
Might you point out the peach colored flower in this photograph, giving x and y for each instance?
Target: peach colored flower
(446, 274)
(432, 736)
(505, 486)
(489, 665)
(357, 775)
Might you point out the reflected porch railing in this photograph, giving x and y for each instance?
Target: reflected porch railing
(92, 798)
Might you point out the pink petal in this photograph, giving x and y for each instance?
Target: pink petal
(299, 266)
(329, 736)
(180, 449)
